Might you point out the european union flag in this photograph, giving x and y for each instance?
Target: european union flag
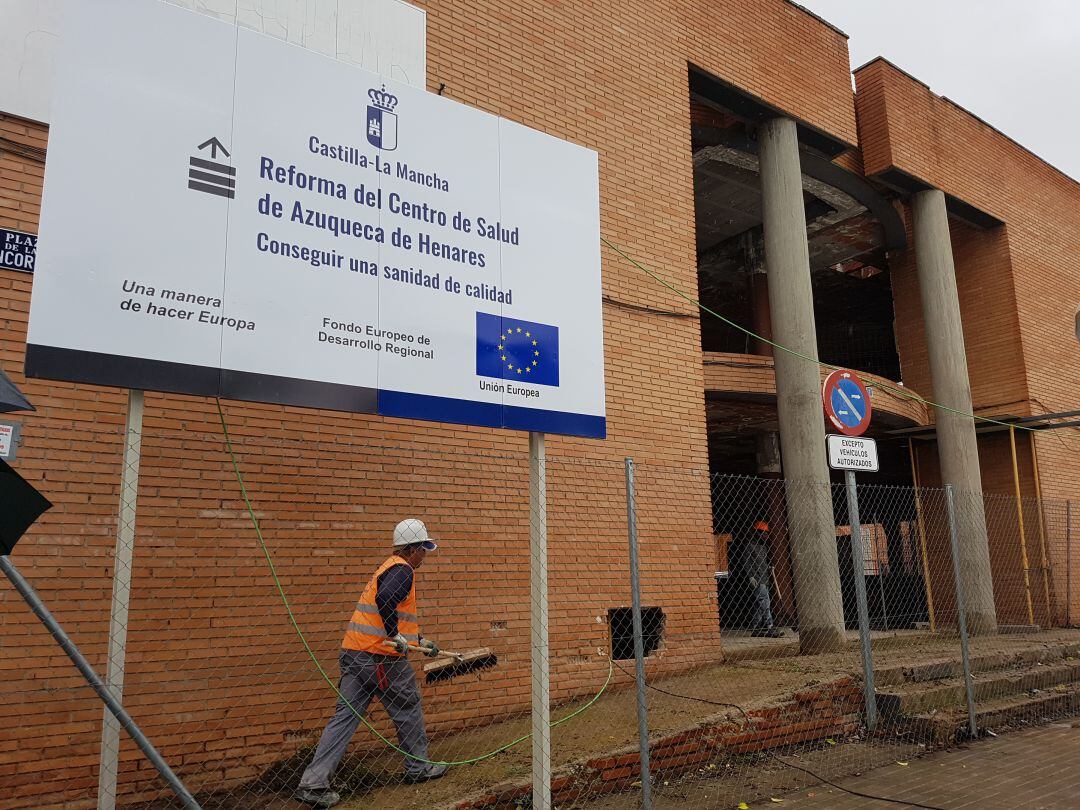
(513, 349)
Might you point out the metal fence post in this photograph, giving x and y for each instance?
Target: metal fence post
(859, 566)
(1068, 563)
(961, 619)
(105, 693)
(639, 645)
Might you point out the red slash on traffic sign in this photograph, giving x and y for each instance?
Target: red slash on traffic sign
(847, 402)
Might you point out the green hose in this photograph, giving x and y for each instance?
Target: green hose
(319, 666)
(900, 392)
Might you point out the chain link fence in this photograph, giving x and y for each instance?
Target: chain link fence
(901, 676)
(775, 649)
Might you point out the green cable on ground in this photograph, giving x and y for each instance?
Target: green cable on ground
(319, 666)
(901, 392)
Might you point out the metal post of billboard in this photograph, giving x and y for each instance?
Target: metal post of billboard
(121, 595)
(639, 643)
(859, 566)
(541, 706)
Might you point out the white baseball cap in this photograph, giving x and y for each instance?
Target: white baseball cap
(411, 531)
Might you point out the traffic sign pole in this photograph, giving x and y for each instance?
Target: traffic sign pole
(859, 566)
(848, 408)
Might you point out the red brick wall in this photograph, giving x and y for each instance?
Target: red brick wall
(207, 629)
(987, 309)
(832, 709)
(773, 50)
(1019, 285)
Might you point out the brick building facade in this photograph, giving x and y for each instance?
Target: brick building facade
(626, 80)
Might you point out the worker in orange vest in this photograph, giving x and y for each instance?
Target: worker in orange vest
(374, 663)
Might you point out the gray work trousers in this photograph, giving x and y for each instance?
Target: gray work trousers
(762, 607)
(360, 682)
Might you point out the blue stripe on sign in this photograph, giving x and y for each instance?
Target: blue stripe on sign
(439, 409)
(562, 422)
(484, 414)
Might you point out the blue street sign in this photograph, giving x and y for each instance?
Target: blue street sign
(847, 403)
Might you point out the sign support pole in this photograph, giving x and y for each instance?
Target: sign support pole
(121, 597)
(848, 407)
(859, 567)
(538, 586)
(639, 642)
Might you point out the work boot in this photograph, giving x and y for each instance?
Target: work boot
(317, 797)
(430, 772)
(767, 632)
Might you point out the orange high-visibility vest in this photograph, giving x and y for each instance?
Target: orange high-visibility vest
(366, 631)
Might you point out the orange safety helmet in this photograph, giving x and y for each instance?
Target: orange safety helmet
(761, 526)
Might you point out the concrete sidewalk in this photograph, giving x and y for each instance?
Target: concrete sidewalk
(1030, 769)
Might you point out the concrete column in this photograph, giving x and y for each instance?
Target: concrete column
(798, 392)
(957, 449)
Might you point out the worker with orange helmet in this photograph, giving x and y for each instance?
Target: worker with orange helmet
(758, 571)
(383, 628)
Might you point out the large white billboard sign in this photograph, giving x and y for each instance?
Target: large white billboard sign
(386, 36)
(225, 214)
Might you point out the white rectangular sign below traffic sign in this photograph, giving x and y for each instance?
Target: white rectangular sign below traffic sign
(225, 214)
(853, 453)
(7, 441)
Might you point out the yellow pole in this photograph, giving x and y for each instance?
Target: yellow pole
(922, 538)
(1042, 525)
(1020, 520)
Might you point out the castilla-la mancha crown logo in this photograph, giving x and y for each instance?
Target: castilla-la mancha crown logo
(381, 121)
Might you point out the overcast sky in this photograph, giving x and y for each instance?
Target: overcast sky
(1013, 63)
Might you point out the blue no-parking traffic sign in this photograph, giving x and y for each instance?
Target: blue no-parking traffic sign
(847, 402)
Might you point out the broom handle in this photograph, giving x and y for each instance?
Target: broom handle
(447, 653)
